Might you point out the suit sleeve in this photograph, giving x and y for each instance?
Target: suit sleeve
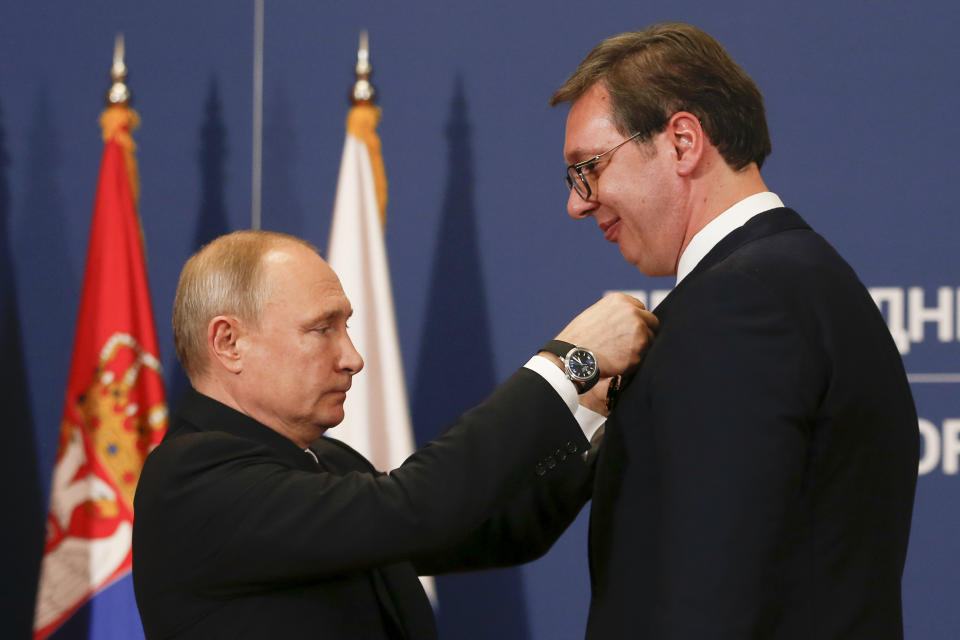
(730, 402)
(525, 525)
(231, 516)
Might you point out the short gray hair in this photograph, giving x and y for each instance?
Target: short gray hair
(225, 277)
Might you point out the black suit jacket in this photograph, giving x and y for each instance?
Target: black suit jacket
(757, 476)
(239, 534)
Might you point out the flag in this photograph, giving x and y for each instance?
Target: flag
(377, 422)
(114, 410)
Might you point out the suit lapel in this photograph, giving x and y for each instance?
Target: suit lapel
(403, 604)
(760, 226)
(388, 610)
(399, 589)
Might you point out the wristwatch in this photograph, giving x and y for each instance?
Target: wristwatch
(579, 364)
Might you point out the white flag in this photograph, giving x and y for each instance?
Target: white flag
(377, 414)
(377, 422)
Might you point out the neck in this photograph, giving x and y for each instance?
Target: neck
(223, 392)
(717, 191)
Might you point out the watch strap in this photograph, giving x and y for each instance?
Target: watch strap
(559, 348)
(562, 349)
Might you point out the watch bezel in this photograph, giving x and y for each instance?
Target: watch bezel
(564, 350)
(583, 383)
(570, 371)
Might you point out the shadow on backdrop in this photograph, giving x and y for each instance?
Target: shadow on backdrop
(212, 218)
(47, 266)
(455, 371)
(49, 276)
(22, 503)
(282, 210)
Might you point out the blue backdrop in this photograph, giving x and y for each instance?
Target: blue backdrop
(861, 98)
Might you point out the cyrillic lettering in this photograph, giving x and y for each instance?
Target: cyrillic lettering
(950, 443)
(919, 314)
(931, 447)
(657, 296)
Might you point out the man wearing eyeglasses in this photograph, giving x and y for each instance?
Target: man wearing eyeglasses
(758, 472)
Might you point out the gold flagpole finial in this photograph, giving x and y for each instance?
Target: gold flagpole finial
(362, 89)
(118, 93)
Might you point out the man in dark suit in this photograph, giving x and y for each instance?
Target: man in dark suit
(757, 475)
(244, 529)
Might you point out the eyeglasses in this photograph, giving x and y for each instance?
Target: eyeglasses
(575, 178)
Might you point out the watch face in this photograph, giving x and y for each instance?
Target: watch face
(582, 364)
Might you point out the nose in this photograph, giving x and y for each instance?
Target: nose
(577, 207)
(350, 359)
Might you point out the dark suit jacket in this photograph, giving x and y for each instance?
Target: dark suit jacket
(757, 476)
(239, 534)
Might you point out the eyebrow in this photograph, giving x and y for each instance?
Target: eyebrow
(331, 315)
(580, 153)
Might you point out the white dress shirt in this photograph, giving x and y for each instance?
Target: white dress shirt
(721, 226)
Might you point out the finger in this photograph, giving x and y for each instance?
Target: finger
(652, 321)
(630, 299)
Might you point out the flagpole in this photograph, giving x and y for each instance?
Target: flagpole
(361, 97)
(118, 93)
(363, 92)
(257, 163)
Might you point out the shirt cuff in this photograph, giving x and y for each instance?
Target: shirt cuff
(588, 420)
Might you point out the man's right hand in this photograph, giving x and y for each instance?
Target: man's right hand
(617, 328)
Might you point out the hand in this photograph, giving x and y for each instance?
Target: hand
(596, 398)
(618, 329)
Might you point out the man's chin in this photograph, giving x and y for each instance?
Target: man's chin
(646, 266)
(630, 256)
(331, 421)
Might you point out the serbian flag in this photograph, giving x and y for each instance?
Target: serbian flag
(114, 411)
(377, 422)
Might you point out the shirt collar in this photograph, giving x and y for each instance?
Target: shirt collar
(718, 228)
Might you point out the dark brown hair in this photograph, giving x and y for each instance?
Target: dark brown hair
(669, 67)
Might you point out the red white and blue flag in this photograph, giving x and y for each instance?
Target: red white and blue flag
(114, 411)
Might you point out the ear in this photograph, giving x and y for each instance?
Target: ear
(686, 135)
(223, 342)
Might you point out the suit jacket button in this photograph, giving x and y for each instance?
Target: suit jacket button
(571, 447)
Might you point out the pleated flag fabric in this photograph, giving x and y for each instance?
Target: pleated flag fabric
(114, 411)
